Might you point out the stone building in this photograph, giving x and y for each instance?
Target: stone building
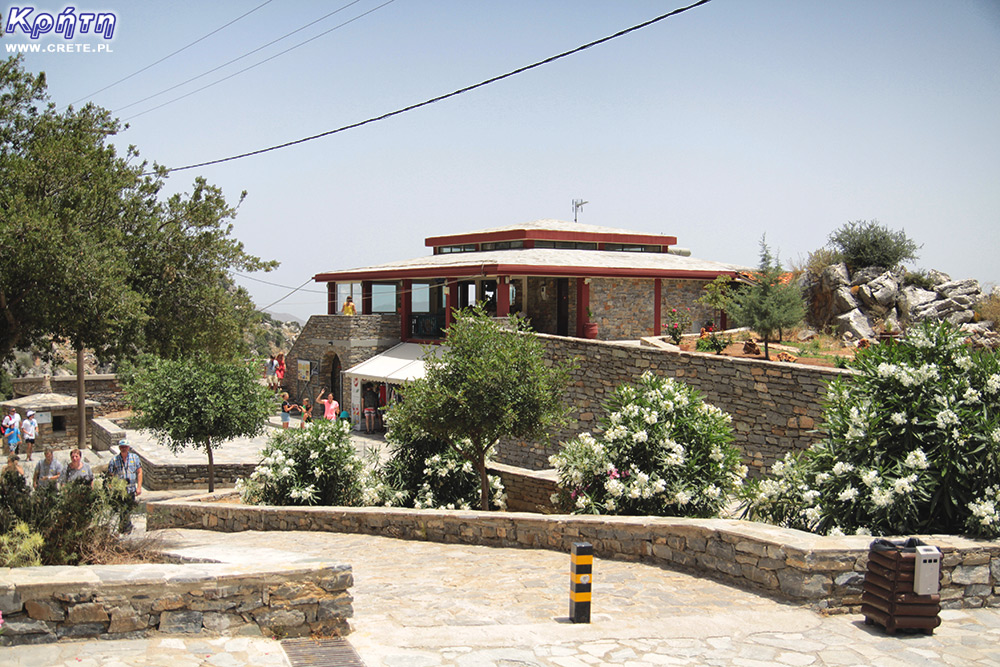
(566, 278)
(58, 418)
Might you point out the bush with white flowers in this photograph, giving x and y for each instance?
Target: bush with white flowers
(308, 466)
(663, 451)
(912, 445)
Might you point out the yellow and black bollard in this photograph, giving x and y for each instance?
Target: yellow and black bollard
(581, 573)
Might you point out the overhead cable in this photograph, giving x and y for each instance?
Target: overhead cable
(444, 97)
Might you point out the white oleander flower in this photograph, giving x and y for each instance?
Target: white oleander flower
(835, 532)
(898, 418)
(881, 497)
(916, 460)
(848, 494)
(711, 491)
(946, 418)
(810, 496)
(614, 487)
(842, 467)
(870, 477)
(682, 497)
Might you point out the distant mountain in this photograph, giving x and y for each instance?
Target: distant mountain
(286, 317)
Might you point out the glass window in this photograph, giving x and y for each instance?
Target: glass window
(447, 249)
(566, 245)
(625, 247)
(384, 298)
(503, 245)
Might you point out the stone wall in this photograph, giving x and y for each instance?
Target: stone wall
(775, 406)
(47, 604)
(527, 490)
(101, 388)
(104, 433)
(350, 339)
(826, 572)
(158, 477)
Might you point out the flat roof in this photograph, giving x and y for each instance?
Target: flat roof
(554, 230)
(538, 262)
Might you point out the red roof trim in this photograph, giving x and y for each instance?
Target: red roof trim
(488, 270)
(550, 235)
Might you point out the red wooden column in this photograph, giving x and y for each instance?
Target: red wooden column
(582, 304)
(405, 309)
(331, 298)
(366, 297)
(657, 314)
(452, 301)
(503, 296)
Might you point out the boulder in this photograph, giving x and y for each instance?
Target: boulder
(843, 300)
(835, 275)
(866, 275)
(854, 323)
(912, 298)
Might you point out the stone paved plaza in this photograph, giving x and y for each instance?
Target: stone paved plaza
(422, 604)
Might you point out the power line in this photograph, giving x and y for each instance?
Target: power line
(237, 59)
(447, 96)
(183, 48)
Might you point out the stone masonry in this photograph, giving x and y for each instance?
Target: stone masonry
(47, 604)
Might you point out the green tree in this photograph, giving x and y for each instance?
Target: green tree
(491, 382)
(90, 254)
(864, 243)
(196, 402)
(771, 302)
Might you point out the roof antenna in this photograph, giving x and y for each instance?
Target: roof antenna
(577, 206)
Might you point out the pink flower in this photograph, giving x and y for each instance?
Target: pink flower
(613, 473)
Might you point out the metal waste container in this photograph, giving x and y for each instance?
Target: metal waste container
(889, 597)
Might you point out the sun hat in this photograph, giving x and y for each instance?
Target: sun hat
(124, 443)
(30, 412)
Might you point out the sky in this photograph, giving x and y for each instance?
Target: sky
(733, 120)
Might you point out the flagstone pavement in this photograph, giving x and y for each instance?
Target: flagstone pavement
(424, 604)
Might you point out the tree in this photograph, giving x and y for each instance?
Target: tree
(772, 301)
(864, 243)
(491, 382)
(197, 402)
(88, 252)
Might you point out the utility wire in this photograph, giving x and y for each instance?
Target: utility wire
(449, 95)
(111, 85)
(237, 59)
(287, 295)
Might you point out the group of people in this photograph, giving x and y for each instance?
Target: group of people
(51, 471)
(274, 371)
(17, 431)
(331, 408)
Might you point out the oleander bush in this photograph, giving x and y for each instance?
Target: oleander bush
(308, 466)
(662, 451)
(912, 445)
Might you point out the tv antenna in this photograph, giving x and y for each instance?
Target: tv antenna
(578, 206)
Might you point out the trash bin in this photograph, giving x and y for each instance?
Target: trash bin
(889, 598)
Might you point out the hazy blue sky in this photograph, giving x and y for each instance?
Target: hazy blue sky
(735, 119)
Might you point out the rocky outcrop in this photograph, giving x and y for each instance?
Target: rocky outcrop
(874, 300)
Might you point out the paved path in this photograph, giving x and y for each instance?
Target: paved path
(423, 604)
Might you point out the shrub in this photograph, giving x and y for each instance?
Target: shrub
(678, 323)
(307, 466)
(919, 279)
(912, 445)
(425, 472)
(711, 341)
(21, 547)
(663, 451)
(988, 309)
(864, 243)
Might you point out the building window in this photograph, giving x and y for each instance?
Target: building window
(384, 298)
(503, 245)
(448, 249)
(566, 245)
(627, 247)
(58, 423)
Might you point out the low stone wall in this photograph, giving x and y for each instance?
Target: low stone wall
(104, 433)
(158, 477)
(46, 604)
(101, 388)
(825, 572)
(527, 490)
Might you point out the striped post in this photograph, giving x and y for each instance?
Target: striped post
(581, 568)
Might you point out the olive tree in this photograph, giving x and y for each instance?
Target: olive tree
(492, 381)
(196, 402)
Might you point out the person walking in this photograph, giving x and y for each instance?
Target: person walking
(127, 466)
(47, 471)
(279, 371)
(13, 437)
(29, 430)
(270, 373)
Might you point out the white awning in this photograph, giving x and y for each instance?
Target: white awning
(396, 365)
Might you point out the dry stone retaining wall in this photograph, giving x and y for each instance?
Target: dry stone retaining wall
(775, 406)
(826, 572)
(46, 604)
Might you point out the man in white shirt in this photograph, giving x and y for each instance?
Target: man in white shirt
(29, 431)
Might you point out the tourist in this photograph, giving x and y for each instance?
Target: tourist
(127, 466)
(11, 419)
(279, 371)
(13, 437)
(370, 401)
(78, 470)
(330, 405)
(349, 308)
(29, 429)
(307, 412)
(12, 466)
(47, 471)
(286, 410)
(270, 372)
